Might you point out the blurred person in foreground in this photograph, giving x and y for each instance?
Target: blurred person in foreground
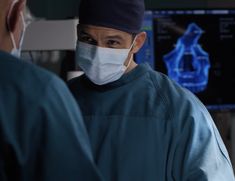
(42, 134)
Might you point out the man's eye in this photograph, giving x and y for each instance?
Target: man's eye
(87, 39)
(113, 43)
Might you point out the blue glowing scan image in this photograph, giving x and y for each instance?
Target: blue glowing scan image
(188, 64)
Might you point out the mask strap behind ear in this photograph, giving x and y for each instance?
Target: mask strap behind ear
(129, 61)
(8, 23)
(13, 39)
(8, 14)
(133, 43)
(131, 54)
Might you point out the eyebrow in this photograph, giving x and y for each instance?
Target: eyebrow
(114, 37)
(118, 37)
(84, 33)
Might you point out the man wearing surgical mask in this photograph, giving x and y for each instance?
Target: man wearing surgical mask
(42, 135)
(105, 54)
(142, 125)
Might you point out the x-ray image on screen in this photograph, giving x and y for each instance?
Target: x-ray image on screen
(195, 48)
(188, 64)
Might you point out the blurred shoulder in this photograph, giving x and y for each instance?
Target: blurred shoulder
(27, 78)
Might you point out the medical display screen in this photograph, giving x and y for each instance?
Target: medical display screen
(195, 48)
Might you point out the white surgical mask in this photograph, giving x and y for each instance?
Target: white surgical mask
(17, 51)
(101, 65)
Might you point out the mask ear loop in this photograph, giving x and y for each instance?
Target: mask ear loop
(131, 54)
(8, 25)
(129, 61)
(22, 34)
(13, 40)
(133, 43)
(24, 28)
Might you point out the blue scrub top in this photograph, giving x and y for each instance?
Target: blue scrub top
(145, 127)
(42, 134)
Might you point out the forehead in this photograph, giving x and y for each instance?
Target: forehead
(102, 31)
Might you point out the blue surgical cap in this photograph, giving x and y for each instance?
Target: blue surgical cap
(124, 15)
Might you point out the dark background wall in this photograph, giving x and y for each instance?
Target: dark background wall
(54, 9)
(64, 9)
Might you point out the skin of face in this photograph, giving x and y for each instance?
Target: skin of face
(112, 38)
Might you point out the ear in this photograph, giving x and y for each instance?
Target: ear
(139, 41)
(14, 14)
